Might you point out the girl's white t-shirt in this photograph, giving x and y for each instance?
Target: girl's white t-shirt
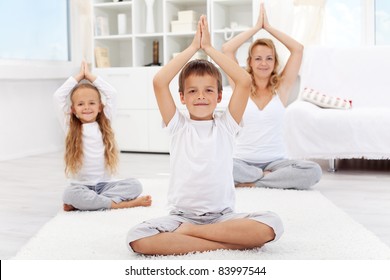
(201, 164)
(261, 138)
(93, 169)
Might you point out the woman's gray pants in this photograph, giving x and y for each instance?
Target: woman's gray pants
(285, 174)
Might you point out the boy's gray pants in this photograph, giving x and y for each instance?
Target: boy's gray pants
(101, 195)
(285, 174)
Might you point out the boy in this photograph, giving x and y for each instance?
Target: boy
(201, 192)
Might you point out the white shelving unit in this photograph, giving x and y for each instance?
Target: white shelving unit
(138, 122)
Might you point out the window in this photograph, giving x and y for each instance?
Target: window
(343, 22)
(34, 30)
(355, 23)
(382, 22)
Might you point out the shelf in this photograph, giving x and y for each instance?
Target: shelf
(138, 122)
(114, 6)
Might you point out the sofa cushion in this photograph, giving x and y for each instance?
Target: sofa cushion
(360, 73)
(325, 101)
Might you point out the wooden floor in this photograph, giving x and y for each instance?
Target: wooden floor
(31, 190)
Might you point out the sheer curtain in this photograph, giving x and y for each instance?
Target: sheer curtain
(82, 30)
(301, 19)
(308, 21)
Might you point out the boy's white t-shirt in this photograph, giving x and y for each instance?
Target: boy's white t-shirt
(201, 164)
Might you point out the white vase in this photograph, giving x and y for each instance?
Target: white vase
(122, 23)
(149, 16)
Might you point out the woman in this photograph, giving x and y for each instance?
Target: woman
(259, 156)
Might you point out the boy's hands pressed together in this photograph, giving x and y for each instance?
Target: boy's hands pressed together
(197, 38)
(205, 33)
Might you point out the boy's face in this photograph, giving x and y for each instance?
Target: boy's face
(86, 104)
(201, 96)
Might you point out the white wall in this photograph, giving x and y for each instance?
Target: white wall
(28, 124)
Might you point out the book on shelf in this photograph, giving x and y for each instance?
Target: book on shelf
(102, 57)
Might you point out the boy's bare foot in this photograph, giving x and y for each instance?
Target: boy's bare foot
(68, 207)
(184, 228)
(139, 201)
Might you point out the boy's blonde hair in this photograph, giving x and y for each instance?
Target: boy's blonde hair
(74, 141)
(199, 67)
(275, 79)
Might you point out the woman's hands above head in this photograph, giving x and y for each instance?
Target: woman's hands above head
(264, 16)
(262, 20)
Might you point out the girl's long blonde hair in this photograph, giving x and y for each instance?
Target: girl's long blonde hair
(74, 141)
(275, 78)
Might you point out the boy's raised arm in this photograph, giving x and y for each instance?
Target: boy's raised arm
(240, 77)
(163, 78)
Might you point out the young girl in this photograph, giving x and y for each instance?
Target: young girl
(91, 155)
(259, 155)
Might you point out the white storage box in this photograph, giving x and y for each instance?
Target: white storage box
(188, 16)
(183, 27)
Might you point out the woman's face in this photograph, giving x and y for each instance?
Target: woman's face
(262, 61)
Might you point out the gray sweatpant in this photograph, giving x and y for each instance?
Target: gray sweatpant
(285, 174)
(101, 195)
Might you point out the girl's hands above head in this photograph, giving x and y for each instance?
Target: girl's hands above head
(87, 73)
(205, 38)
(81, 75)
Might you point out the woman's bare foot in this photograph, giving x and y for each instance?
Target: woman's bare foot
(245, 185)
(68, 207)
(139, 201)
(266, 173)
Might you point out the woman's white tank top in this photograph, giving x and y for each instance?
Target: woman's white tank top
(261, 138)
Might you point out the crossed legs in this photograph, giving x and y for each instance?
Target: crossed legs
(236, 234)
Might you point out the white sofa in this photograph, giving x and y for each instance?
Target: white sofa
(361, 74)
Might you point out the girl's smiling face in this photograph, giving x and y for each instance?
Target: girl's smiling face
(86, 104)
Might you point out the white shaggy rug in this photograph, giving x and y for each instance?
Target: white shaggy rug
(315, 229)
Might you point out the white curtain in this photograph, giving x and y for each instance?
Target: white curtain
(308, 21)
(82, 29)
(301, 19)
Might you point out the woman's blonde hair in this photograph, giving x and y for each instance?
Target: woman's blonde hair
(275, 78)
(74, 141)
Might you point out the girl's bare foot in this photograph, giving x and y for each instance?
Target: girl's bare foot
(143, 200)
(139, 201)
(68, 207)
